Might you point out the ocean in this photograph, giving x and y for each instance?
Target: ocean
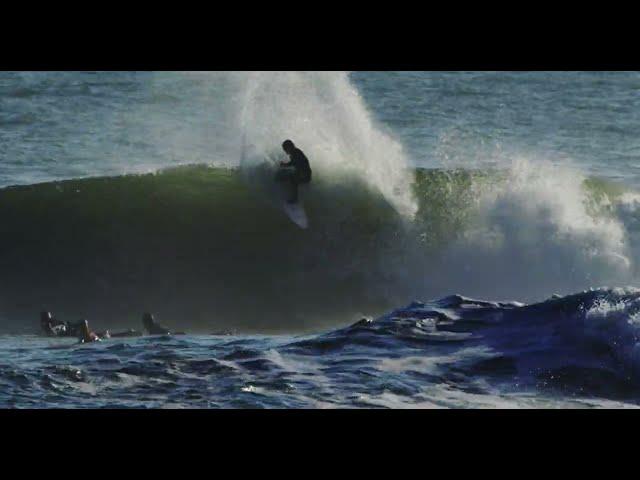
(472, 239)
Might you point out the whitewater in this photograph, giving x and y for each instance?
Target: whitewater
(473, 239)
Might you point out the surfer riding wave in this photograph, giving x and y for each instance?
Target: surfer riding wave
(294, 172)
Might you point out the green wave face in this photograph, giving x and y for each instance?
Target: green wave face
(211, 248)
(204, 248)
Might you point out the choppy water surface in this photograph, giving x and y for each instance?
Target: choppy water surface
(576, 351)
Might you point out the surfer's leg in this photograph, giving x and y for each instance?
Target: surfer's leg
(296, 179)
(293, 198)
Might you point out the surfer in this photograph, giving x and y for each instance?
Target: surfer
(51, 326)
(295, 171)
(87, 335)
(152, 327)
(57, 328)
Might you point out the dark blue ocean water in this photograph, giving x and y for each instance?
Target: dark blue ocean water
(576, 351)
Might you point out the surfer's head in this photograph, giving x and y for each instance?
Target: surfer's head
(288, 146)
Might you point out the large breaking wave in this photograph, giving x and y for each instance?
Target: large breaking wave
(205, 248)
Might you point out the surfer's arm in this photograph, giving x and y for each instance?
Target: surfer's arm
(293, 161)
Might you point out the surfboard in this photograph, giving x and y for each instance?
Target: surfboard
(295, 211)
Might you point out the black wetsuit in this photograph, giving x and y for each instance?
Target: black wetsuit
(300, 162)
(300, 174)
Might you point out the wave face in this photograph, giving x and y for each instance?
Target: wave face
(209, 248)
(203, 246)
(580, 350)
(126, 225)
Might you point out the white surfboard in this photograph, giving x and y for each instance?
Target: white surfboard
(295, 211)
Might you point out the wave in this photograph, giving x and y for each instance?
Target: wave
(573, 351)
(580, 345)
(199, 245)
(529, 230)
(209, 247)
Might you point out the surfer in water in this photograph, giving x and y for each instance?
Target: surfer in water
(154, 328)
(295, 171)
(53, 327)
(86, 335)
(57, 328)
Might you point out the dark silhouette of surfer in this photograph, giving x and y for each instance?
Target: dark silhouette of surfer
(57, 328)
(154, 328)
(53, 327)
(86, 335)
(295, 171)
